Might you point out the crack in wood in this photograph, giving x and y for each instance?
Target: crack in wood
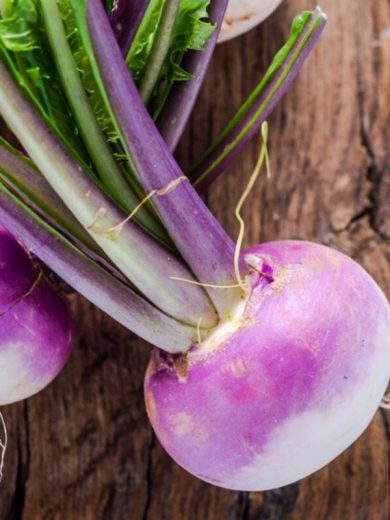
(244, 505)
(23, 470)
(385, 414)
(108, 510)
(149, 475)
(374, 175)
(278, 504)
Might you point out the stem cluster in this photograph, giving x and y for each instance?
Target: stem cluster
(97, 157)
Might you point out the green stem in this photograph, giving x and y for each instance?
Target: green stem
(163, 96)
(144, 262)
(90, 279)
(305, 31)
(20, 174)
(93, 138)
(159, 50)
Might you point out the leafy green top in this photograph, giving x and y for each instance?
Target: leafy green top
(25, 49)
(190, 32)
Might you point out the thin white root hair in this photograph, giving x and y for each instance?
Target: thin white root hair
(198, 332)
(3, 445)
(115, 231)
(263, 157)
(264, 136)
(35, 284)
(101, 212)
(170, 186)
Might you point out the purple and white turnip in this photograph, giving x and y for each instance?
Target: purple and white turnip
(36, 329)
(287, 383)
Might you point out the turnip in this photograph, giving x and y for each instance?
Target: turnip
(287, 383)
(243, 15)
(35, 326)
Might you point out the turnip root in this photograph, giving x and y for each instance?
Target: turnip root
(285, 386)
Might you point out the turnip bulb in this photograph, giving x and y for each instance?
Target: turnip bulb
(288, 383)
(35, 325)
(243, 15)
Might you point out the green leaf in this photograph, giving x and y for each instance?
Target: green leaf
(127, 197)
(78, 42)
(143, 42)
(190, 32)
(25, 50)
(15, 30)
(74, 13)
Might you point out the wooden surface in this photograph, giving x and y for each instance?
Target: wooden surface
(83, 449)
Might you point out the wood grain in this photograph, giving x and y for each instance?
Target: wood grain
(82, 449)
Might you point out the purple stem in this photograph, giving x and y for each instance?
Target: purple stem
(236, 136)
(144, 262)
(175, 114)
(125, 18)
(93, 282)
(37, 192)
(8, 136)
(33, 189)
(198, 236)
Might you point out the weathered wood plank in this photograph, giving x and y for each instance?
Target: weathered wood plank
(82, 449)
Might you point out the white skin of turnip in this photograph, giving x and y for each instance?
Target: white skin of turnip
(243, 15)
(288, 384)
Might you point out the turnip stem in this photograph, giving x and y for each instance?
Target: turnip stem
(125, 19)
(176, 111)
(91, 280)
(93, 138)
(145, 263)
(200, 239)
(305, 32)
(159, 50)
(253, 178)
(20, 173)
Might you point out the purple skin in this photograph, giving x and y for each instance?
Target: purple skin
(16, 271)
(36, 329)
(295, 381)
